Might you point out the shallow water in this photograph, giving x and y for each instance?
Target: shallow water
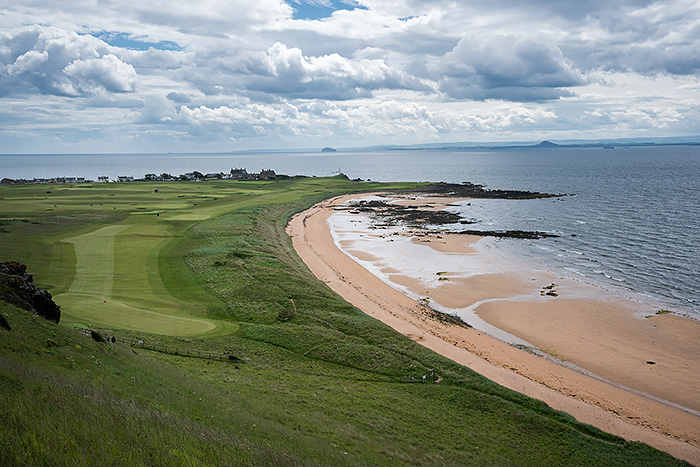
(384, 254)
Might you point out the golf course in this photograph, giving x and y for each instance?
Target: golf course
(118, 270)
(208, 267)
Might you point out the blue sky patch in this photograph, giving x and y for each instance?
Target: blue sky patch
(129, 41)
(319, 9)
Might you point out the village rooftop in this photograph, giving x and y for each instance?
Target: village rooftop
(234, 174)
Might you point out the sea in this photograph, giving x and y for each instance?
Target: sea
(628, 217)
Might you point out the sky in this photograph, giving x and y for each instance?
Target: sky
(92, 76)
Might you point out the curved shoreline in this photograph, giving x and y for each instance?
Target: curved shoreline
(606, 406)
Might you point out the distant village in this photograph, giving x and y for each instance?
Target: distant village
(234, 174)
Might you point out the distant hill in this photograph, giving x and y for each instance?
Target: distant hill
(547, 144)
(469, 145)
(327, 149)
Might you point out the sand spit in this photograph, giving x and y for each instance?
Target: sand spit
(646, 378)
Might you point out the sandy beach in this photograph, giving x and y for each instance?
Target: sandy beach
(609, 361)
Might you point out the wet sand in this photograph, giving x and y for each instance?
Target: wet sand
(601, 334)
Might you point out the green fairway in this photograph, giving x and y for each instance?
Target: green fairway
(117, 284)
(117, 268)
(117, 281)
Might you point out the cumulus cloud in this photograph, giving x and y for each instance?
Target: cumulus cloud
(178, 97)
(209, 18)
(156, 59)
(61, 63)
(678, 60)
(646, 37)
(389, 120)
(244, 120)
(286, 71)
(503, 67)
(107, 72)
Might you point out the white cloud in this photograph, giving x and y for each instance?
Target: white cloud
(63, 63)
(285, 71)
(504, 67)
(107, 72)
(403, 122)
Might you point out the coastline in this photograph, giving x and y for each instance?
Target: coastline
(592, 400)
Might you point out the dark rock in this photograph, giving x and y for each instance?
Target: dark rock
(17, 287)
(393, 213)
(471, 190)
(13, 267)
(97, 336)
(4, 324)
(444, 318)
(526, 234)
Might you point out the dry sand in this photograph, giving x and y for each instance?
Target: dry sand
(599, 334)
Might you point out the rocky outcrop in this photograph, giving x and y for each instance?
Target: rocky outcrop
(526, 234)
(4, 324)
(393, 213)
(471, 190)
(17, 287)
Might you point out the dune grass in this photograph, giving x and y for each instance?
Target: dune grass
(327, 385)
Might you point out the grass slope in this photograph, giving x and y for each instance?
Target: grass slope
(326, 385)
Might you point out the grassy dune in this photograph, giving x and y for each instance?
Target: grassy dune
(208, 267)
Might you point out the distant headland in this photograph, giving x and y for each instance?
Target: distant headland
(603, 143)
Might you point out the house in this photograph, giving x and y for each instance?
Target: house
(8, 181)
(212, 176)
(267, 175)
(81, 179)
(240, 174)
(124, 178)
(40, 180)
(102, 178)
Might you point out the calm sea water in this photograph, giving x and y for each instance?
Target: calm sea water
(632, 222)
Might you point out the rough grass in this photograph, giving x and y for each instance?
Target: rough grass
(326, 386)
(68, 400)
